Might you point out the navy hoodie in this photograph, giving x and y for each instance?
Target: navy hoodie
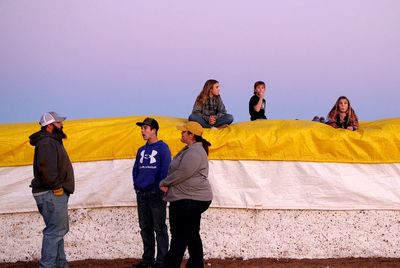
(151, 166)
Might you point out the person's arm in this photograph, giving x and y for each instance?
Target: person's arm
(199, 110)
(332, 124)
(135, 169)
(353, 123)
(259, 103)
(46, 159)
(332, 121)
(252, 102)
(221, 110)
(165, 160)
(188, 165)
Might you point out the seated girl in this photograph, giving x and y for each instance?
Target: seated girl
(208, 109)
(342, 115)
(257, 102)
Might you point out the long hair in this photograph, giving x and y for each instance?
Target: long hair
(335, 109)
(205, 93)
(205, 142)
(350, 114)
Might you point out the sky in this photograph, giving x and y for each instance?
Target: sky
(96, 58)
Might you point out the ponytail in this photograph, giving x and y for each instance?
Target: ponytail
(204, 142)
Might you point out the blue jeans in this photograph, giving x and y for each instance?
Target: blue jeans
(54, 210)
(226, 119)
(152, 216)
(184, 218)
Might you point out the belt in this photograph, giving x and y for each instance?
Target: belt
(40, 193)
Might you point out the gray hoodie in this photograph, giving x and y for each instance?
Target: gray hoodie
(188, 175)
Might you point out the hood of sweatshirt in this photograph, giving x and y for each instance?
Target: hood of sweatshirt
(37, 136)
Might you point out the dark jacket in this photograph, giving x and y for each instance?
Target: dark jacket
(254, 115)
(52, 168)
(212, 106)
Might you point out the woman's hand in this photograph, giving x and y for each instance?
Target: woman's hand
(164, 189)
(212, 120)
(350, 128)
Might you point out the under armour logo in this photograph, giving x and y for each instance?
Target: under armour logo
(146, 156)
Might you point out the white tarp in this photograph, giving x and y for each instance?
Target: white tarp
(236, 184)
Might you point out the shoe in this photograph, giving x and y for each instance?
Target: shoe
(142, 264)
(322, 119)
(316, 118)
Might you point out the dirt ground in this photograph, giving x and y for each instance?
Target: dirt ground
(234, 263)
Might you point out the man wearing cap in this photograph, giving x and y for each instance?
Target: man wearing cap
(52, 184)
(151, 166)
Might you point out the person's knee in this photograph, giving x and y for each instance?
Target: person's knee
(229, 118)
(193, 117)
(198, 119)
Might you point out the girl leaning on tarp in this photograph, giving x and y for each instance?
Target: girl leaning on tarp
(342, 115)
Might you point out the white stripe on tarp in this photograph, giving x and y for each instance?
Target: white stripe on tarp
(236, 184)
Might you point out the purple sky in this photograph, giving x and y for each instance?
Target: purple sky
(88, 59)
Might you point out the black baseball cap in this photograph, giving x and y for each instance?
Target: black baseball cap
(149, 122)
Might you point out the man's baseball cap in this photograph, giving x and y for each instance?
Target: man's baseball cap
(149, 122)
(192, 127)
(50, 117)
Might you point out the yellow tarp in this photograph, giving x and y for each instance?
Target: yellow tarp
(276, 140)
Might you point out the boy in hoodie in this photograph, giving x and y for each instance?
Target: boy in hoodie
(52, 184)
(151, 166)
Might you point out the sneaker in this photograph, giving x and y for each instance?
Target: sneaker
(316, 118)
(142, 264)
(322, 119)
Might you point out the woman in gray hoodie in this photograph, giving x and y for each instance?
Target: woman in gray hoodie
(188, 190)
